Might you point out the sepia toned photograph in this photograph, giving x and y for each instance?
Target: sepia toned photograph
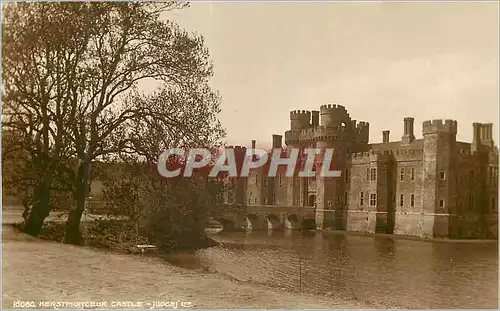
(250, 155)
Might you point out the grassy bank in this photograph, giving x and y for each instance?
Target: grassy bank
(42, 270)
(115, 235)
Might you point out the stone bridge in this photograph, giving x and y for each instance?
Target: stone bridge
(266, 217)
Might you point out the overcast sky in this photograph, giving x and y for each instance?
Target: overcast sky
(383, 61)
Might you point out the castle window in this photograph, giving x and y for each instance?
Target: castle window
(361, 199)
(256, 179)
(264, 182)
(249, 201)
(493, 203)
(412, 200)
(345, 198)
(441, 203)
(401, 200)
(346, 175)
(367, 174)
(471, 176)
(329, 204)
(471, 200)
(373, 199)
(442, 176)
(255, 201)
(412, 173)
(373, 174)
(280, 181)
(402, 176)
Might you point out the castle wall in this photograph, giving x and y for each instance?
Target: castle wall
(408, 198)
(255, 190)
(362, 215)
(426, 187)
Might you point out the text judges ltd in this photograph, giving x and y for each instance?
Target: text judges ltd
(103, 304)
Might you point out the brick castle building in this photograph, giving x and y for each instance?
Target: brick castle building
(434, 186)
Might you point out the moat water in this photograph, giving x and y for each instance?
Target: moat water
(377, 271)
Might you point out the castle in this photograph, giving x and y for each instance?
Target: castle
(434, 186)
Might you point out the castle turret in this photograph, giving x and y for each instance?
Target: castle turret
(299, 119)
(363, 129)
(334, 115)
(408, 136)
(438, 153)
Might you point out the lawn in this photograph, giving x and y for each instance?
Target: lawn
(40, 270)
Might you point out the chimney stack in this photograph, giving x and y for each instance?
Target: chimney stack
(277, 141)
(315, 118)
(408, 136)
(487, 134)
(476, 136)
(385, 136)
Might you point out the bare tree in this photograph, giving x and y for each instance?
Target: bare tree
(42, 46)
(95, 99)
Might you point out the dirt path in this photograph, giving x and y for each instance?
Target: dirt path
(37, 270)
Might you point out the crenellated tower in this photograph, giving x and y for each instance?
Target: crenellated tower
(438, 177)
(300, 119)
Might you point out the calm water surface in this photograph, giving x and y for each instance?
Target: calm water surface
(378, 271)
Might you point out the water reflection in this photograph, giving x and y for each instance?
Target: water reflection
(379, 271)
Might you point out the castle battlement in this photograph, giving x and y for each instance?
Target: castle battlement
(332, 107)
(439, 126)
(401, 155)
(371, 153)
(300, 119)
(370, 156)
(319, 133)
(362, 125)
(408, 152)
(468, 153)
(300, 113)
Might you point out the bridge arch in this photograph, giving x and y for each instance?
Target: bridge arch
(273, 222)
(227, 225)
(309, 224)
(292, 222)
(252, 222)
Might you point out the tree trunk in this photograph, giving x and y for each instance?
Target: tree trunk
(72, 233)
(39, 211)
